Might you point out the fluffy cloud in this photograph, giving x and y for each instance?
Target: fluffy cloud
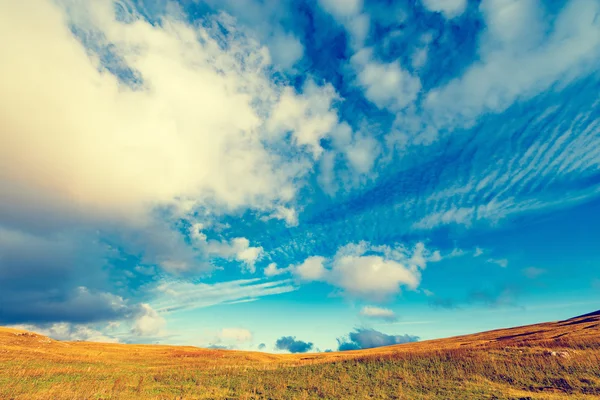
(148, 322)
(450, 8)
(149, 115)
(372, 312)
(349, 14)
(363, 338)
(366, 271)
(289, 343)
(342, 8)
(311, 269)
(387, 85)
(236, 249)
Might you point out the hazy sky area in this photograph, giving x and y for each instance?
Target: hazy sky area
(283, 175)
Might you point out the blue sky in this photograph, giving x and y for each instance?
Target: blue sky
(297, 176)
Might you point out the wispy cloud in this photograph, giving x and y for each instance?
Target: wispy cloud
(173, 295)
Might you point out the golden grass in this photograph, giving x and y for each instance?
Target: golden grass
(556, 360)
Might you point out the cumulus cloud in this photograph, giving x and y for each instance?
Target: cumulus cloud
(311, 269)
(236, 249)
(349, 14)
(150, 115)
(450, 8)
(373, 312)
(289, 343)
(366, 271)
(363, 338)
(387, 85)
(148, 322)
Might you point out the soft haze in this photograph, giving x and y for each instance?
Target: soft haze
(297, 176)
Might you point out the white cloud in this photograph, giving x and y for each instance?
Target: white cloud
(348, 13)
(450, 8)
(236, 249)
(311, 269)
(365, 271)
(174, 295)
(378, 313)
(387, 85)
(272, 270)
(193, 130)
(342, 8)
(310, 117)
(148, 322)
(521, 55)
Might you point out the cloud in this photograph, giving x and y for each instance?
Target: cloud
(269, 23)
(373, 312)
(366, 271)
(342, 8)
(153, 119)
(69, 332)
(41, 280)
(236, 249)
(521, 54)
(148, 323)
(262, 346)
(289, 343)
(363, 338)
(311, 269)
(175, 295)
(349, 14)
(450, 8)
(387, 85)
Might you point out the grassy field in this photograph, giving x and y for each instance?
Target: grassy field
(555, 360)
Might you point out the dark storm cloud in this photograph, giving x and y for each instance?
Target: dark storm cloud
(54, 279)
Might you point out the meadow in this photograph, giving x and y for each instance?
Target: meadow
(556, 360)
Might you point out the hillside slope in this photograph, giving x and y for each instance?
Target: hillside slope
(552, 360)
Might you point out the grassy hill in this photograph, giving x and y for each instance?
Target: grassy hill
(555, 360)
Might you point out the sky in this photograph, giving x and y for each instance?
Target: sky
(297, 176)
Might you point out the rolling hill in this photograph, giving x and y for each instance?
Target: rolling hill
(554, 360)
